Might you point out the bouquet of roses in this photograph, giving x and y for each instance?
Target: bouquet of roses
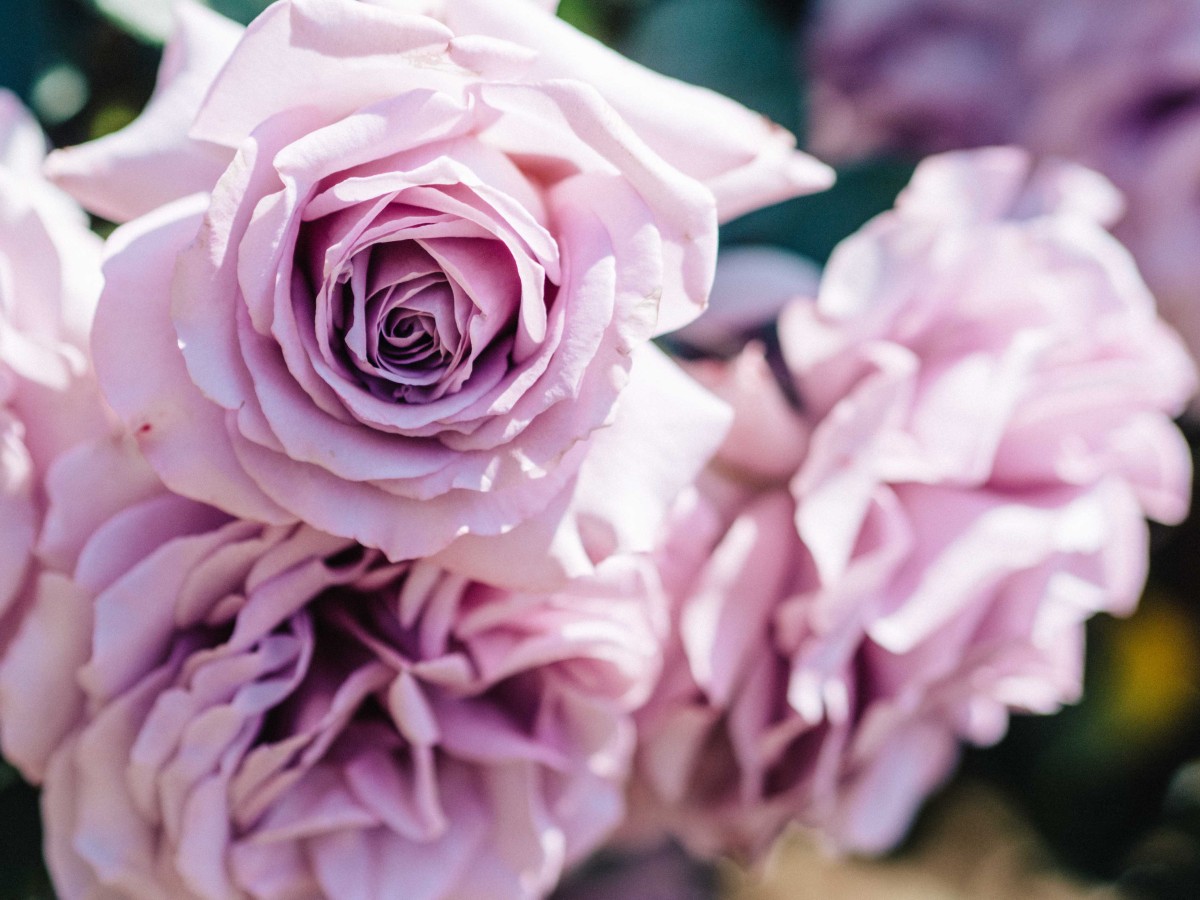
(360, 540)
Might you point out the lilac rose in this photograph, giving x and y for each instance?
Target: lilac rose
(889, 564)
(1126, 101)
(919, 76)
(219, 708)
(49, 281)
(398, 263)
(1112, 85)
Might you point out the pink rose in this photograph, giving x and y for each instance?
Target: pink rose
(1112, 85)
(920, 76)
(423, 262)
(983, 420)
(49, 280)
(232, 709)
(1127, 103)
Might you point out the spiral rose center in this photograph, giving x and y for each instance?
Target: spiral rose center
(401, 320)
(437, 294)
(407, 339)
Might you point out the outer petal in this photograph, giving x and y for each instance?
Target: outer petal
(111, 474)
(328, 57)
(768, 440)
(744, 159)
(22, 144)
(166, 413)
(153, 161)
(401, 527)
(666, 429)
(729, 612)
(682, 210)
(877, 809)
(437, 8)
(18, 518)
(1005, 182)
(39, 697)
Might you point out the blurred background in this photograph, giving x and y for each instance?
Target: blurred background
(1102, 800)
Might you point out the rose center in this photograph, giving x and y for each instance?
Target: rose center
(400, 323)
(375, 689)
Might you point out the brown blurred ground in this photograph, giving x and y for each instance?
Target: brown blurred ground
(974, 847)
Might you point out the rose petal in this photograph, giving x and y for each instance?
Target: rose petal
(744, 159)
(154, 161)
(166, 414)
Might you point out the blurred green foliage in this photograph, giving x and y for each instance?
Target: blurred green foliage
(588, 17)
(731, 46)
(27, 45)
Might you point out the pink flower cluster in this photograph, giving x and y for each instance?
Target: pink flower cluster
(1112, 85)
(392, 558)
(890, 567)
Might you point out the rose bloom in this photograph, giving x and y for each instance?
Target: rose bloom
(49, 281)
(1112, 85)
(1127, 102)
(919, 76)
(395, 270)
(891, 559)
(220, 708)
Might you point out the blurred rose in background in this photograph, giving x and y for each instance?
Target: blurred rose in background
(1113, 85)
